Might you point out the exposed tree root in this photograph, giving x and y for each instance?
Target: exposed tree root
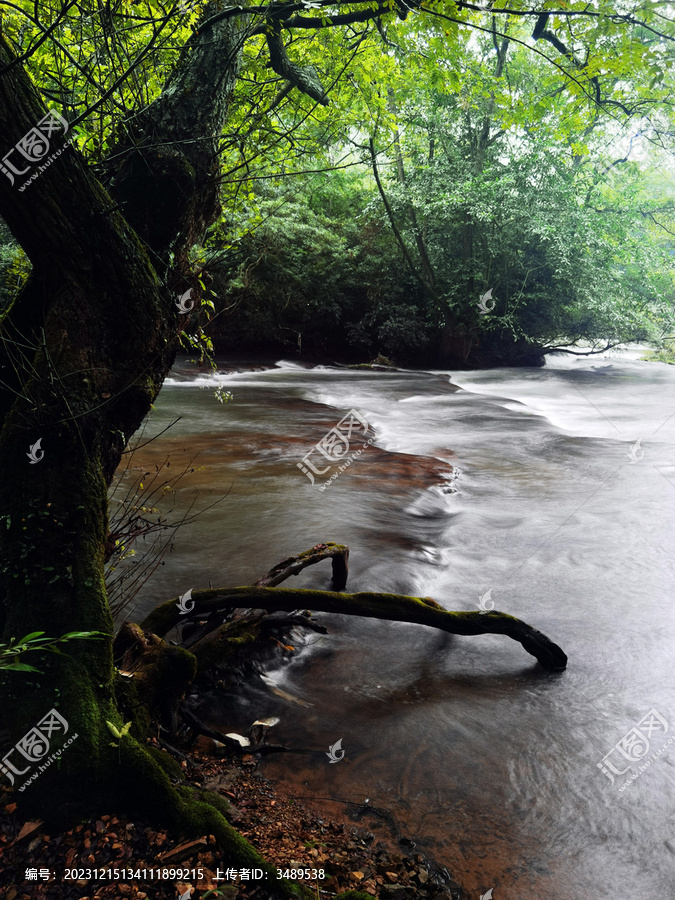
(196, 813)
(198, 727)
(192, 813)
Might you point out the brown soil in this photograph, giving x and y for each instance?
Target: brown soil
(287, 833)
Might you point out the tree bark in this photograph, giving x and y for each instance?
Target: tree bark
(295, 564)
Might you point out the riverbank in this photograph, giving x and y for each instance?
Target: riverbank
(40, 862)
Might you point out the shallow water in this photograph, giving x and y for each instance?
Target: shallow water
(482, 757)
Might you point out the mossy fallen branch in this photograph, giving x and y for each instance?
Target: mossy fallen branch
(212, 640)
(394, 607)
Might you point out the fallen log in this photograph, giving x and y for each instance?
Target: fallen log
(394, 607)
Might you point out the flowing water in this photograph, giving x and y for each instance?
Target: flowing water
(483, 759)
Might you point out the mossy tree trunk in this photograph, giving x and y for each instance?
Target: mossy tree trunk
(84, 350)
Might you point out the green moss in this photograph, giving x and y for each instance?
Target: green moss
(226, 644)
(353, 895)
(167, 763)
(328, 545)
(664, 355)
(131, 706)
(223, 806)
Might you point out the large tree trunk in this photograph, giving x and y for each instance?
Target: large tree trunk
(84, 354)
(85, 349)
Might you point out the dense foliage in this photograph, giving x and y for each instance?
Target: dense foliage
(495, 177)
(508, 165)
(499, 176)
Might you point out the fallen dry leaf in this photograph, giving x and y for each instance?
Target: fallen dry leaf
(28, 828)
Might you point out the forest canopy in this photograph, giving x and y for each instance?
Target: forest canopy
(528, 154)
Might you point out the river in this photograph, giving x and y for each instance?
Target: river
(526, 487)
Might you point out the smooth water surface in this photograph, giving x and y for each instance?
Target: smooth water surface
(483, 758)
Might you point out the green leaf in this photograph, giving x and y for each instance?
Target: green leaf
(18, 667)
(31, 636)
(83, 635)
(113, 729)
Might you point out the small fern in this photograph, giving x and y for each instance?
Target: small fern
(116, 732)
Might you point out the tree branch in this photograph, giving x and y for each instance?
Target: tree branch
(293, 565)
(428, 289)
(304, 78)
(393, 607)
(565, 348)
(365, 15)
